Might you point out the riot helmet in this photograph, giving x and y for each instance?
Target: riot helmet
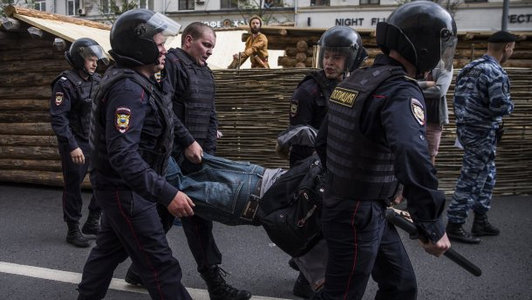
(344, 40)
(423, 33)
(132, 36)
(84, 48)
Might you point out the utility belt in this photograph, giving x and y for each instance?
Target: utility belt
(363, 191)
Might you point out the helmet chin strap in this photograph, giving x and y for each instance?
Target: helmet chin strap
(85, 73)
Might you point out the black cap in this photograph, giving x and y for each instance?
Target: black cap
(502, 37)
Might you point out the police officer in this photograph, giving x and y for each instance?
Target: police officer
(132, 135)
(70, 107)
(376, 139)
(481, 99)
(196, 129)
(340, 52)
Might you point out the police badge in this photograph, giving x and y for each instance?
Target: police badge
(418, 111)
(122, 115)
(58, 98)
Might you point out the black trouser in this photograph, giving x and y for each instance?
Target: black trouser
(73, 175)
(201, 242)
(361, 242)
(131, 226)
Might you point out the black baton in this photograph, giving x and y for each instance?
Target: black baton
(399, 221)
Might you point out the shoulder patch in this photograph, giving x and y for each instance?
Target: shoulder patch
(122, 116)
(293, 107)
(417, 111)
(58, 98)
(344, 96)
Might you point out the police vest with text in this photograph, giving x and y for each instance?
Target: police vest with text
(358, 166)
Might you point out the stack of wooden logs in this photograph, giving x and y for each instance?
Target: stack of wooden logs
(300, 56)
(300, 41)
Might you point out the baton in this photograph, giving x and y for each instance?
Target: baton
(400, 221)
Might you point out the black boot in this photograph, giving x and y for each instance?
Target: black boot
(75, 237)
(133, 278)
(481, 226)
(302, 287)
(92, 225)
(457, 233)
(218, 288)
(293, 265)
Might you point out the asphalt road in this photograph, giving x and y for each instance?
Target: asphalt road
(37, 263)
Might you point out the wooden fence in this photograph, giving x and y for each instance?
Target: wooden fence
(252, 108)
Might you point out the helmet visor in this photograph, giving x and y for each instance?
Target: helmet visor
(159, 23)
(448, 42)
(87, 52)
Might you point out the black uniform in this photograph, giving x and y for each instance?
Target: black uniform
(308, 106)
(193, 104)
(70, 109)
(132, 136)
(375, 138)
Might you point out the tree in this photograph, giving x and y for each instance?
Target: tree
(262, 8)
(114, 10)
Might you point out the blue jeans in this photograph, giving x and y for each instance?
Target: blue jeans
(222, 190)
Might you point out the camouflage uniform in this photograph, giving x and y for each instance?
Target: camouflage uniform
(482, 98)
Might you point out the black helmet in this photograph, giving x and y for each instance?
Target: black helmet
(345, 40)
(132, 36)
(82, 49)
(422, 32)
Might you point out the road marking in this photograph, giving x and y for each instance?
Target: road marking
(75, 278)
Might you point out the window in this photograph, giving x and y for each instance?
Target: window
(73, 7)
(147, 4)
(320, 2)
(369, 2)
(273, 3)
(105, 6)
(187, 4)
(229, 4)
(40, 5)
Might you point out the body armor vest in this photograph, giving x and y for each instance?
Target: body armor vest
(155, 155)
(80, 110)
(195, 107)
(326, 86)
(358, 166)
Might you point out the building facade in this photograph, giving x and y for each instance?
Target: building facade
(470, 15)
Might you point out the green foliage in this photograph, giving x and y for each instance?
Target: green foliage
(261, 8)
(115, 10)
